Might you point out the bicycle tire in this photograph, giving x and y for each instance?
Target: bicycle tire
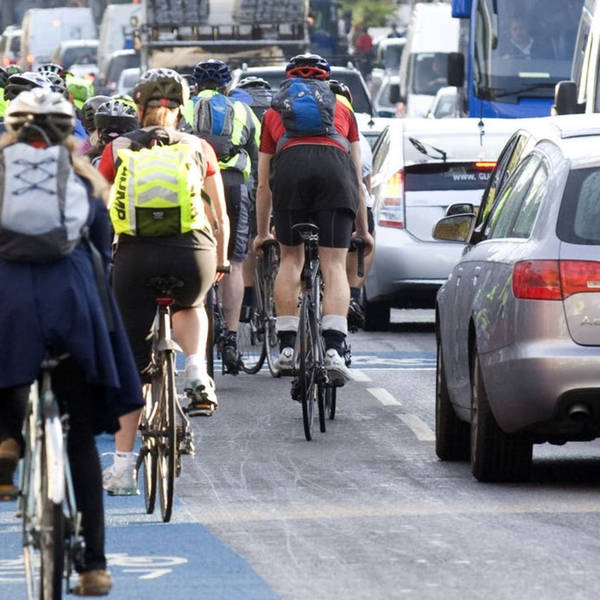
(147, 457)
(307, 369)
(331, 398)
(322, 409)
(52, 536)
(251, 347)
(167, 445)
(271, 343)
(210, 338)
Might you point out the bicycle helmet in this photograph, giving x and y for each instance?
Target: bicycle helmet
(88, 110)
(212, 71)
(308, 66)
(58, 83)
(161, 85)
(253, 82)
(44, 112)
(113, 118)
(339, 88)
(127, 99)
(13, 69)
(47, 68)
(3, 77)
(21, 82)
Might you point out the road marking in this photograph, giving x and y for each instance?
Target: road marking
(418, 427)
(383, 396)
(358, 375)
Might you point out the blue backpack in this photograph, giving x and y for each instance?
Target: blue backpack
(307, 108)
(213, 120)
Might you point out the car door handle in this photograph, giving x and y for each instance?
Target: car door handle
(476, 272)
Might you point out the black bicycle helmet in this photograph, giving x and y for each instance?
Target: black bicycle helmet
(253, 82)
(43, 112)
(308, 66)
(3, 77)
(88, 110)
(22, 82)
(161, 84)
(115, 117)
(58, 83)
(49, 67)
(212, 71)
(339, 88)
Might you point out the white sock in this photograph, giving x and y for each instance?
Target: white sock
(335, 322)
(287, 323)
(193, 359)
(124, 460)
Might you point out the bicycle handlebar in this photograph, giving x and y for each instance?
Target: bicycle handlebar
(358, 244)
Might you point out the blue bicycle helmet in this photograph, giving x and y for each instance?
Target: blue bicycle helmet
(212, 71)
(308, 66)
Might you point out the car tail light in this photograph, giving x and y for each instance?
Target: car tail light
(554, 279)
(391, 207)
(29, 59)
(485, 165)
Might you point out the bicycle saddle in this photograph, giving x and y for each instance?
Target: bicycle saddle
(306, 230)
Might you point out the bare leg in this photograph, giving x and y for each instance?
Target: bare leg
(125, 437)
(287, 284)
(190, 327)
(336, 295)
(232, 287)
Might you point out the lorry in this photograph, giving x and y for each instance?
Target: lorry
(512, 55)
(178, 33)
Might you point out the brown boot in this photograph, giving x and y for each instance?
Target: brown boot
(10, 452)
(93, 583)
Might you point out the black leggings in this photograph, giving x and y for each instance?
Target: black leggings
(75, 397)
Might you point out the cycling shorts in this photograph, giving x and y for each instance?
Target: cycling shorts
(238, 211)
(335, 226)
(370, 221)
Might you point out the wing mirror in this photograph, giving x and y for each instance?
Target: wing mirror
(394, 94)
(456, 69)
(565, 98)
(460, 209)
(455, 228)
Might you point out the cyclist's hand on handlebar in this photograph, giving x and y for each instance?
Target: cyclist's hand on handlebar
(222, 270)
(258, 242)
(368, 241)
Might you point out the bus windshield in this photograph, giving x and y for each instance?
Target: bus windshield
(523, 47)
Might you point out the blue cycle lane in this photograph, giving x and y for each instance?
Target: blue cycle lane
(147, 558)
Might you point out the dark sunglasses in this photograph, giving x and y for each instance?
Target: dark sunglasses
(156, 102)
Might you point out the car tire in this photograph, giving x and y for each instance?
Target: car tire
(495, 455)
(377, 316)
(452, 436)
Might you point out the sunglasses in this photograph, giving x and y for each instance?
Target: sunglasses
(156, 102)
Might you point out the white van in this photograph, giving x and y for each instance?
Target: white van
(432, 34)
(116, 31)
(44, 29)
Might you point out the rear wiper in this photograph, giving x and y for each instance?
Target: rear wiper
(493, 93)
(422, 148)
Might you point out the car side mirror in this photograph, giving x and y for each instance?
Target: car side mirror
(565, 98)
(456, 69)
(455, 228)
(460, 209)
(394, 93)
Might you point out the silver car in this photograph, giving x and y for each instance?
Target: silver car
(518, 321)
(420, 168)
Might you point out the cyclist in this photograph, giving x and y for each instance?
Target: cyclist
(3, 100)
(20, 82)
(192, 257)
(88, 110)
(111, 119)
(256, 92)
(235, 137)
(64, 303)
(314, 174)
(356, 313)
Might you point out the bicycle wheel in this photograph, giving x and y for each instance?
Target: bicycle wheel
(330, 400)
(322, 399)
(52, 532)
(250, 341)
(167, 443)
(147, 455)
(271, 343)
(307, 375)
(210, 339)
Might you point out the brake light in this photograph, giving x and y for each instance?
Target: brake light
(485, 165)
(391, 207)
(29, 58)
(555, 280)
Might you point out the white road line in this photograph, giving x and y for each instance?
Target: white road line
(358, 375)
(418, 427)
(384, 396)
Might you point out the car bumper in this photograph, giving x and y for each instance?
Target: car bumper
(532, 386)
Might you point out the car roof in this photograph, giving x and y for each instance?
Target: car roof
(78, 43)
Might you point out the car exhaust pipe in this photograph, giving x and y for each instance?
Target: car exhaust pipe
(579, 412)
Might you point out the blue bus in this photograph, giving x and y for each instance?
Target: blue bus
(516, 51)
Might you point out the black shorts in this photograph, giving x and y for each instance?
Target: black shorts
(312, 178)
(370, 221)
(135, 264)
(238, 211)
(335, 226)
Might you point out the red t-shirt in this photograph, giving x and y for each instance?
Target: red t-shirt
(273, 129)
(106, 166)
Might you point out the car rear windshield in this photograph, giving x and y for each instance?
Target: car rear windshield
(81, 55)
(118, 63)
(444, 176)
(579, 218)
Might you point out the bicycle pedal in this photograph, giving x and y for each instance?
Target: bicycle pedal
(200, 412)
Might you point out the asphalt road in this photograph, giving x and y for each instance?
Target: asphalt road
(364, 511)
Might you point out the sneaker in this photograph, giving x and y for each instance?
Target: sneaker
(203, 399)
(285, 361)
(356, 315)
(96, 582)
(231, 358)
(10, 452)
(193, 377)
(336, 367)
(120, 483)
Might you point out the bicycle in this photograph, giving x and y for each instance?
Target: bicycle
(51, 524)
(165, 429)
